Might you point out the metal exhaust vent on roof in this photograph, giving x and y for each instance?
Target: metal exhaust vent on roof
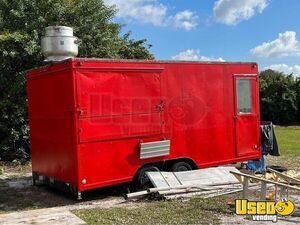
(59, 43)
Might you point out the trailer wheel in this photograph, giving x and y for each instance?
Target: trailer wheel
(141, 180)
(181, 166)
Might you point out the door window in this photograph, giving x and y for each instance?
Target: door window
(244, 96)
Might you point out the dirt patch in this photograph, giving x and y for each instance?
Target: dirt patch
(41, 216)
(17, 193)
(14, 169)
(291, 163)
(44, 205)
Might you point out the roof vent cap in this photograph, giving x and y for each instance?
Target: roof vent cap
(59, 43)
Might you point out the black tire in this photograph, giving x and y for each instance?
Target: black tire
(141, 181)
(181, 166)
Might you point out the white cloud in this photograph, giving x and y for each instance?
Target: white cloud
(285, 45)
(232, 12)
(153, 12)
(141, 10)
(186, 20)
(194, 55)
(285, 68)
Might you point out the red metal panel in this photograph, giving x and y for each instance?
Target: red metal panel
(116, 105)
(119, 127)
(209, 115)
(102, 93)
(52, 128)
(111, 162)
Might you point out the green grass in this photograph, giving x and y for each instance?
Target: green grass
(289, 140)
(195, 211)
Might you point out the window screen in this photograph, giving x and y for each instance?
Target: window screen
(244, 102)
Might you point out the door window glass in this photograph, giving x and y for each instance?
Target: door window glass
(244, 96)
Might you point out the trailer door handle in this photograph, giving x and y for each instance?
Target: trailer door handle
(160, 107)
(80, 111)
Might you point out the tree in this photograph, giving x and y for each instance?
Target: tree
(278, 97)
(22, 24)
(297, 89)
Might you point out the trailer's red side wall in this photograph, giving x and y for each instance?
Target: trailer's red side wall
(52, 123)
(110, 107)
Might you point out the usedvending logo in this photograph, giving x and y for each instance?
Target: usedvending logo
(264, 210)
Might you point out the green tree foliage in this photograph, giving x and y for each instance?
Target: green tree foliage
(297, 89)
(22, 24)
(279, 97)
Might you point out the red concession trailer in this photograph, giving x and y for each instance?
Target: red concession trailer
(95, 123)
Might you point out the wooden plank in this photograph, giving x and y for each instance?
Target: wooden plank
(199, 187)
(181, 191)
(204, 194)
(223, 193)
(202, 177)
(209, 194)
(210, 176)
(157, 179)
(283, 192)
(268, 181)
(263, 190)
(245, 187)
(151, 190)
(251, 187)
(284, 176)
(171, 179)
(188, 195)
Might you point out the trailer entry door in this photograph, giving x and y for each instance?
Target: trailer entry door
(246, 114)
(118, 103)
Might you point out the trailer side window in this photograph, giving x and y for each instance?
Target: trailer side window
(244, 96)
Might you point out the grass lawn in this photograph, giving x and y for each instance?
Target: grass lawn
(288, 140)
(289, 144)
(195, 211)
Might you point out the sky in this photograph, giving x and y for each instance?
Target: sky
(262, 31)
